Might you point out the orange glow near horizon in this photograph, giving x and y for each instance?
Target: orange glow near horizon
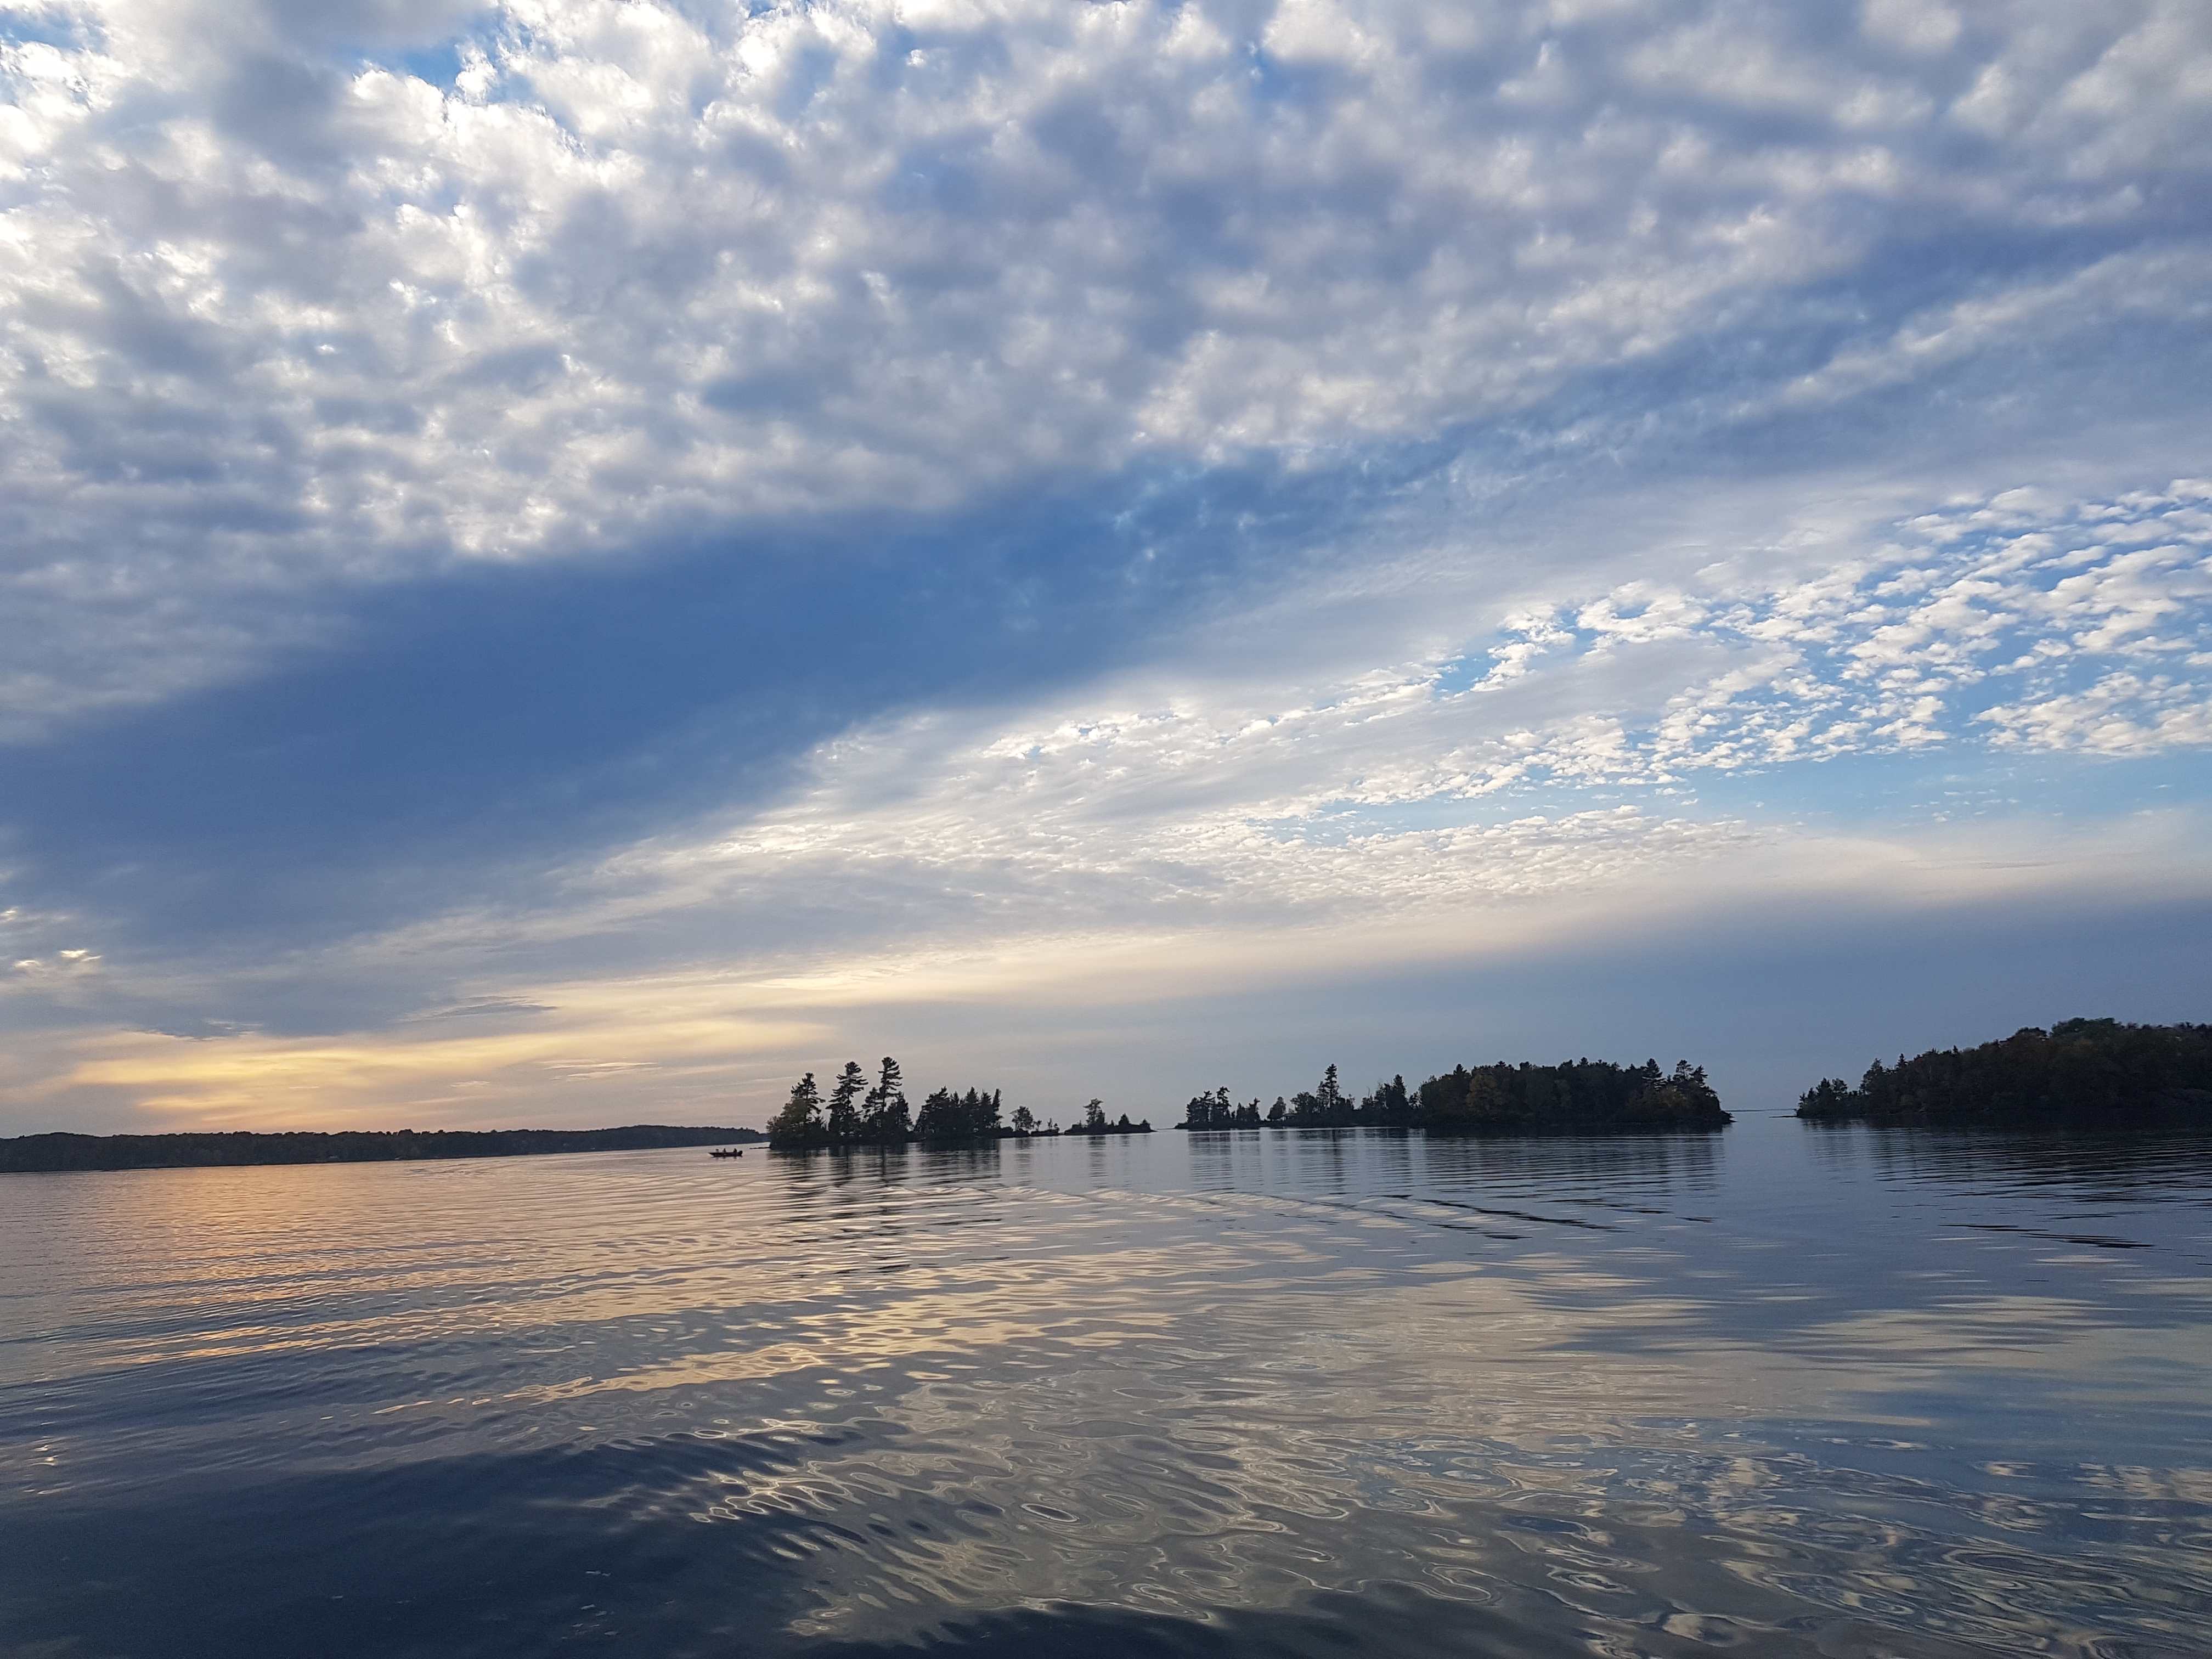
(400, 1080)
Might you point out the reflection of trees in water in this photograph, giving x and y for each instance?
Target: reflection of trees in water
(2168, 1165)
(1383, 1162)
(1602, 1160)
(968, 1160)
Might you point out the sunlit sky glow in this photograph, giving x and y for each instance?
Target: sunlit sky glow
(567, 560)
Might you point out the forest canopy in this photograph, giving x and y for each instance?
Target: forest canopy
(2086, 1073)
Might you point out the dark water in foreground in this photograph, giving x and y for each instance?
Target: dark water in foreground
(1789, 1390)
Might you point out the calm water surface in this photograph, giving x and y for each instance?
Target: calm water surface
(1789, 1390)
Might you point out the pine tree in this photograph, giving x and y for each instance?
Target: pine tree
(883, 1114)
(1329, 1104)
(941, 1117)
(844, 1103)
(799, 1122)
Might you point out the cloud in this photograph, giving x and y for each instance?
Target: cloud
(2165, 283)
(296, 298)
(1896, 649)
(62, 964)
(2121, 714)
(1288, 788)
(1554, 766)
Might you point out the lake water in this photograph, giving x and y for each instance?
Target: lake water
(1790, 1390)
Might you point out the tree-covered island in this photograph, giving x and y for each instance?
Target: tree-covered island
(857, 1112)
(1498, 1098)
(1576, 1095)
(2084, 1073)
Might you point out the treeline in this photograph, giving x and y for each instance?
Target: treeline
(2082, 1072)
(858, 1113)
(242, 1147)
(1582, 1094)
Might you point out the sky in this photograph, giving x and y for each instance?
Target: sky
(566, 561)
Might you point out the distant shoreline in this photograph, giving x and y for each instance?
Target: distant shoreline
(61, 1152)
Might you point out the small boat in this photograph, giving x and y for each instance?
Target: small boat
(727, 1151)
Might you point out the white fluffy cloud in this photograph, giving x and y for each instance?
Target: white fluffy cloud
(1907, 646)
(276, 311)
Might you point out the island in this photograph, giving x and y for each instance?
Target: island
(858, 1113)
(1578, 1095)
(222, 1148)
(2085, 1073)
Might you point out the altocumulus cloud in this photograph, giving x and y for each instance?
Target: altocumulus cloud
(281, 312)
(1475, 467)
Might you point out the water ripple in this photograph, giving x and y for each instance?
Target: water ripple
(1287, 1393)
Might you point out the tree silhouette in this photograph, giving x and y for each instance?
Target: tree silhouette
(2080, 1072)
(1577, 1094)
(844, 1103)
(800, 1123)
(948, 1115)
(883, 1114)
